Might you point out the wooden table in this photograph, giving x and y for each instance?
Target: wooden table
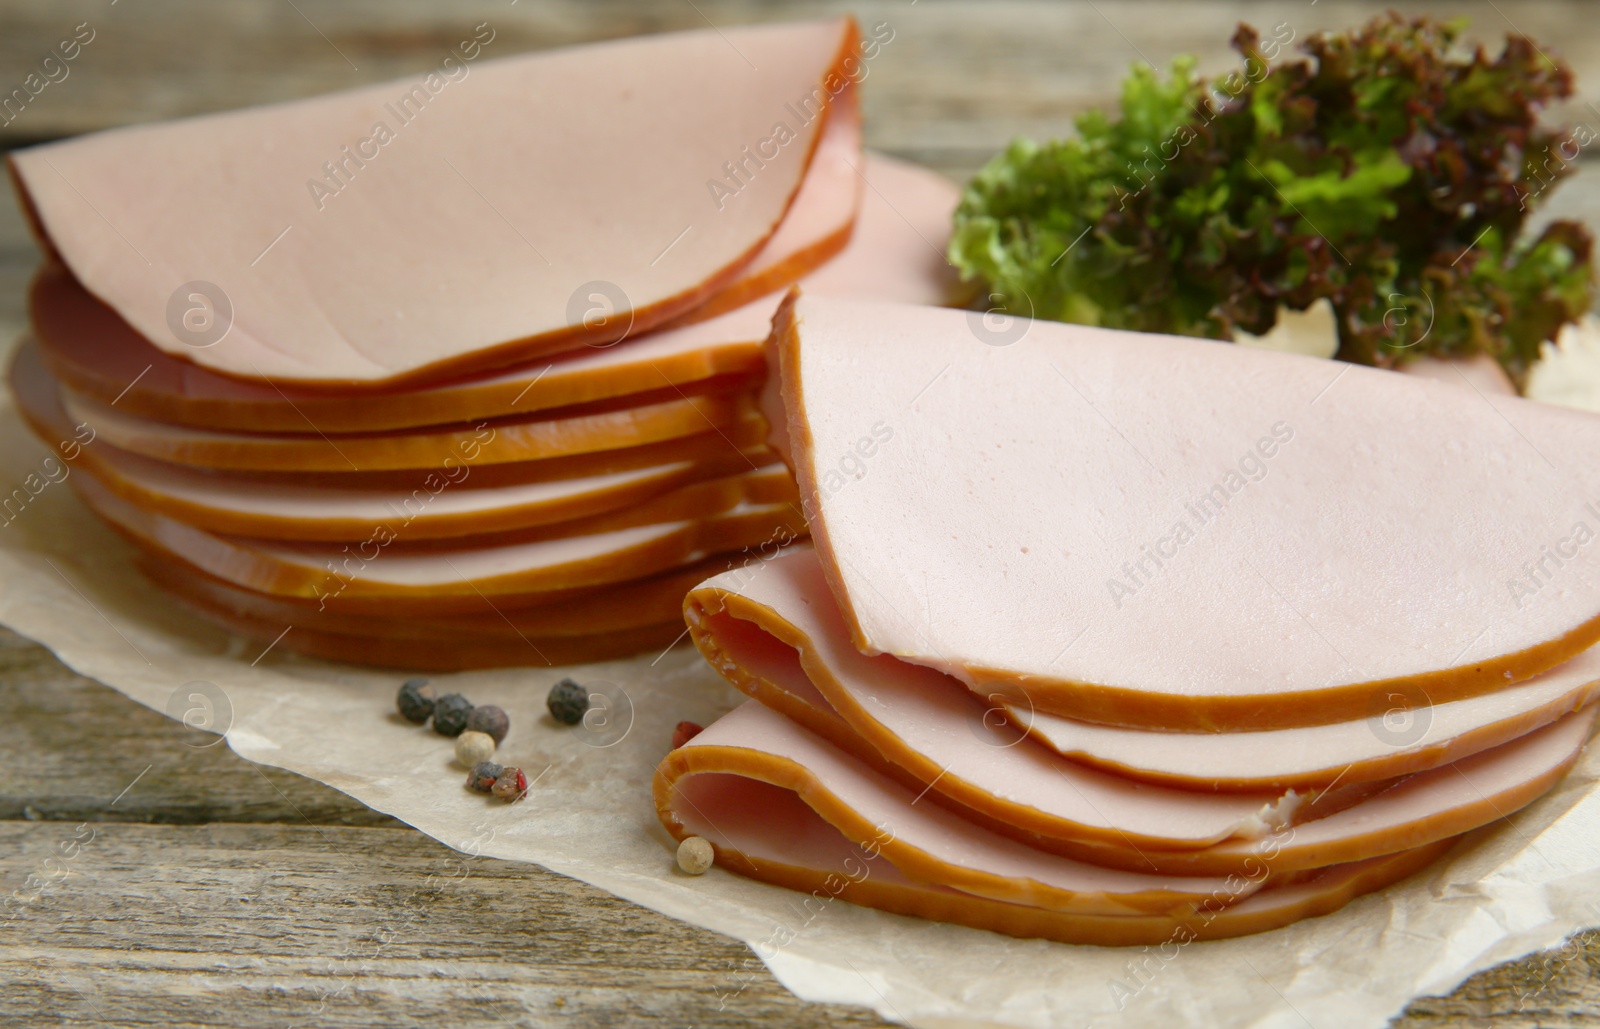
(206, 890)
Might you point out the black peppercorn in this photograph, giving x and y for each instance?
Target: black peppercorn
(450, 714)
(483, 775)
(567, 702)
(415, 700)
(492, 719)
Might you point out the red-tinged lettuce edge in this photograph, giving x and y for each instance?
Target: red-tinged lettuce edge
(1389, 171)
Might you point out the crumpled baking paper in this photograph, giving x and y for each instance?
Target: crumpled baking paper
(68, 582)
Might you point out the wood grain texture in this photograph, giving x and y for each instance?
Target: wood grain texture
(273, 925)
(278, 901)
(215, 892)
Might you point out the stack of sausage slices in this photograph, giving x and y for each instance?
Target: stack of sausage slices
(1125, 639)
(461, 371)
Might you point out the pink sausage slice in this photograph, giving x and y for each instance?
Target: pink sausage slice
(931, 843)
(789, 602)
(588, 429)
(404, 232)
(817, 225)
(769, 629)
(384, 567)
(1402, 735)
(893, 254)
(783, 815)
(1176, 534)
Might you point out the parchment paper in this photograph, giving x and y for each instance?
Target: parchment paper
(66, 581)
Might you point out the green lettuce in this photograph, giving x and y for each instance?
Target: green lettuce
(1387, 171)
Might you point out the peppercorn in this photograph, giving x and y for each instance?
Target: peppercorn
(450, 714)
(684, 732)
(567, 702)
(472, 747)
(695, 855)
(483, 775)
(415, 700)
(510, 785)
(491, 719)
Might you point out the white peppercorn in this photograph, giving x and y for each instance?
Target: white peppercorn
(472, 747)
(695, 855)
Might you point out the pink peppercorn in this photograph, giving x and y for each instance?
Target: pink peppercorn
(512, 785)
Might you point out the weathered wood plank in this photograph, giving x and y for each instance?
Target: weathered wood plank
(1559, 987)
(72, 746)
(266, 925)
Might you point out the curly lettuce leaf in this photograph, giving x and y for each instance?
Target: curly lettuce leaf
(1386, 171)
